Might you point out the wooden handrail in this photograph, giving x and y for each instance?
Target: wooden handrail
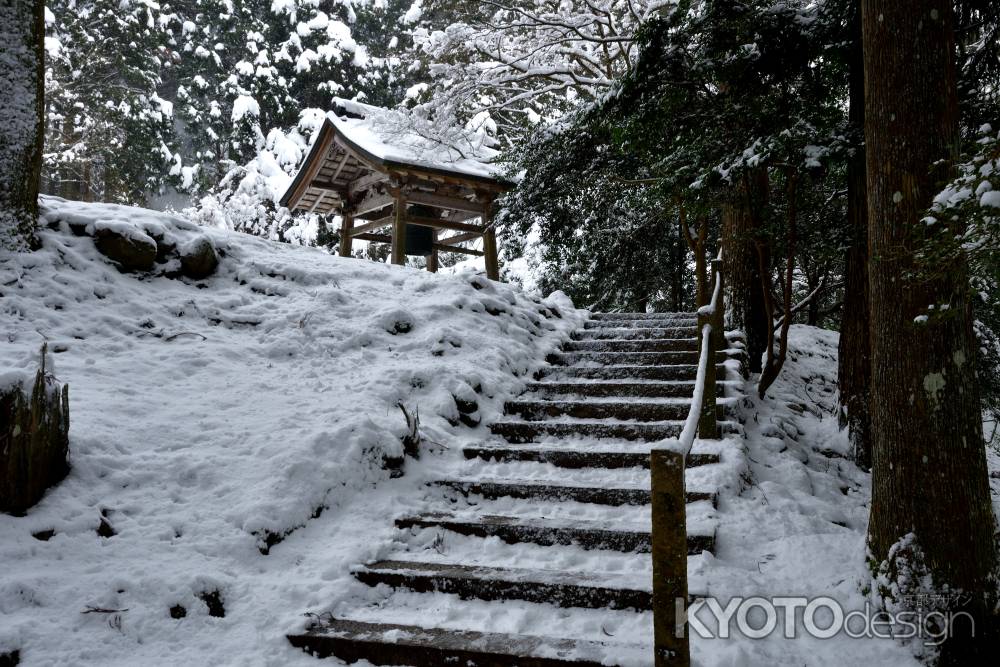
(667, 463)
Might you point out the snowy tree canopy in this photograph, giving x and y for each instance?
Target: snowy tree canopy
(530, 61)
(145, 97)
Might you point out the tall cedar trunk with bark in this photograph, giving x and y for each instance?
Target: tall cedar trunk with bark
(22, 77)
(677, 278)
(929, 478)
(741, 265)
(854, 372)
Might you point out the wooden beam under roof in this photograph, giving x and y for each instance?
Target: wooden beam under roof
(374, 238)
(462, 216)
(319, 198)
(453, 178)
(371, 226)
(440, 247)
(324, 185)
(442, 223)
(445, 202)
(340, 167)
(460, 238)
(373, 203)
(365, 182)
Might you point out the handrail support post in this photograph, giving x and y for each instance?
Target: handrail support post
(669, 547)
(708, 426)
(719, 315)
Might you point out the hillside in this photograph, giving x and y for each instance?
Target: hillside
(211, 418)
(237, 452)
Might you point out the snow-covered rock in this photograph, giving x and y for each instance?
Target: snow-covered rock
(198, 258)
(130, 249)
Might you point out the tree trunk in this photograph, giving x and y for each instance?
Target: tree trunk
(775, 359)
(677, 276)
(812, 313)
(929, 479)
(854, 371)
(22, 74)
(741, 266)
(696, 244)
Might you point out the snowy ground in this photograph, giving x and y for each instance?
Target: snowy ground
(207, 415)
(798, 527)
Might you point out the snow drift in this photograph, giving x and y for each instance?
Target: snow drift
(212, 419)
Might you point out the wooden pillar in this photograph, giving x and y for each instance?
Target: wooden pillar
(490, 252)
(669, 538)
(490, 244)
(346, 240)
(399, 229)
(719, 316)
(432, 259)
(708, 426)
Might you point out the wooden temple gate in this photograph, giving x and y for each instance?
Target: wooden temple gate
(383, 197)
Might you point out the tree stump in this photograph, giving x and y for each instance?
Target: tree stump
(34, 440)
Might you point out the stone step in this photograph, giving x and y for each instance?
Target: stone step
(394, 644)
(607, 590)
(676, 389)
(627, 345)
(689, 357)
(642, 316)
(642, 411)
(641, 323)
(575, 458)
(493, 489)
(528, 431)
(686, 372)
(550, 532)
(667, 333)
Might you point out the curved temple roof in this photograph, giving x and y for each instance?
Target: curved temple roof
(359, 146)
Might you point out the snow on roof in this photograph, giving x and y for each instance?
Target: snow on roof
(399, 137)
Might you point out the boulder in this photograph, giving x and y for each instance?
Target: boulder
(165, 246)
(198, 258)
(131, 250)
(164, 249)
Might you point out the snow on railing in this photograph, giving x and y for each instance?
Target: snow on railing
(690, 430)
(668, 497)
(701, 415)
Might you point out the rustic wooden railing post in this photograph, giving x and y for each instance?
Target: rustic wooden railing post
(719, 316)
(398, 253)
(708, 426)
(669, 530)
(669, 538)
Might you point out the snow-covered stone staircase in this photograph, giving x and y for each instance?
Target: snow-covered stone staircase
(536, 552)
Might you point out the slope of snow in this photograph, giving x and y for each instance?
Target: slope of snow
(263, 401)
(798, 528)
(207, 416)
(791, 519)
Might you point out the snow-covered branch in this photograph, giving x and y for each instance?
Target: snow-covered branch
(527, 60)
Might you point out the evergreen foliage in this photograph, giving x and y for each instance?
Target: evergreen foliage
(715, 95)
(107, 127)
(195, 97)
